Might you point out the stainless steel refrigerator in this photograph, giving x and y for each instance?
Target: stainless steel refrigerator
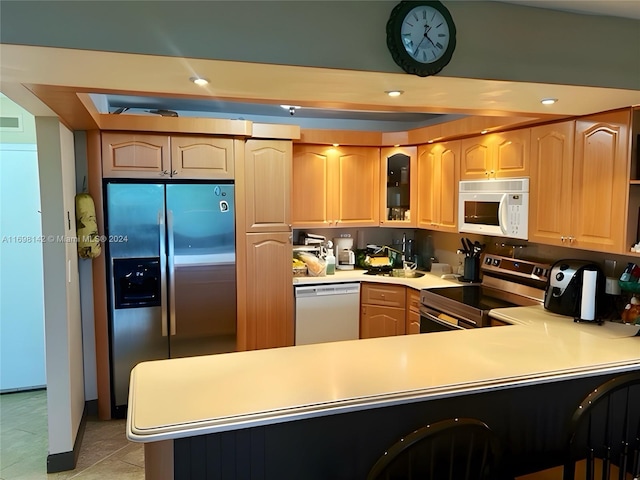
(172, 280)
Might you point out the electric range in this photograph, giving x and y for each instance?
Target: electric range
(506, 282)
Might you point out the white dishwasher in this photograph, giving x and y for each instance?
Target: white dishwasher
(327, 313)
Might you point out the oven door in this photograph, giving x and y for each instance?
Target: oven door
(434, 321)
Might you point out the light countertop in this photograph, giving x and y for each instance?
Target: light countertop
(341, 276)
(199, 395)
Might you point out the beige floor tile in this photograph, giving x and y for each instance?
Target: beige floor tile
(105, 452)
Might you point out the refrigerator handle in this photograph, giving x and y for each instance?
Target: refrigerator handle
(172, 281)
(163, 272)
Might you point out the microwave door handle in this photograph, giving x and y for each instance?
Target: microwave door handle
(502, 214)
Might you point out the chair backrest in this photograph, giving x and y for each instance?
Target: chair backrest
(605, 431)
(455, 449)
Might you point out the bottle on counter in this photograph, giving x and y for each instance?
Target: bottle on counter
(331, 262)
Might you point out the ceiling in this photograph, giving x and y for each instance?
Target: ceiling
(613, 8)
(255, 91)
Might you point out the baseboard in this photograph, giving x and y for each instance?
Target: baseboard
(60, 462)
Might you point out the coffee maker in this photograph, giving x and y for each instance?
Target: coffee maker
(576, 288)
(345, 256)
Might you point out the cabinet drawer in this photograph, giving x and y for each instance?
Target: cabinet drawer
(383, 294)
(413, 300)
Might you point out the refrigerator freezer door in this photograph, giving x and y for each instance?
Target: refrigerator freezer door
(202, 277)
(136, 223)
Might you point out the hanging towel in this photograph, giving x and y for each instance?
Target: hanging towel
(87, 227)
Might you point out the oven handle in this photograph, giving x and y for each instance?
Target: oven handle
(432, 317)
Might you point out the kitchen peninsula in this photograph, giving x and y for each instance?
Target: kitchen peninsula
(329, 410)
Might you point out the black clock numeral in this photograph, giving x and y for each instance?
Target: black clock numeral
(439, 25)
(439, 46)
(410, 24)
(424, 55)
(442, 35)
(434, 16)
(415, 15)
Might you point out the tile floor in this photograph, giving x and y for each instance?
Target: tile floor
(105, 452)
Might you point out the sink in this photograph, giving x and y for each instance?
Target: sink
(396, 275)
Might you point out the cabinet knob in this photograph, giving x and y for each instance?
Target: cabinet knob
(164, 172)
(486, 174)
(571, 239)
(562, 239)
(174, 172)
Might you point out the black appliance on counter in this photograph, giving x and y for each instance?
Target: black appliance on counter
(564, 292)
(506, 282)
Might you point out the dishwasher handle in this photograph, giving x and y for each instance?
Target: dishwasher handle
(322, 290)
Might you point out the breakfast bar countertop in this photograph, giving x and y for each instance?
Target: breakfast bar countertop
(184, 397)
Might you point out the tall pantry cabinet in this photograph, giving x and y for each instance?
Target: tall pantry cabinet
(265, 277)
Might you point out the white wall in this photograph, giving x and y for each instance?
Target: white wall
(22, 362)
(65, 387)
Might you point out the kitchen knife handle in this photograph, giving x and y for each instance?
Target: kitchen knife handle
(163, 272)
(172, 271)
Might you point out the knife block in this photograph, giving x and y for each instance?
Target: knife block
(471, 269)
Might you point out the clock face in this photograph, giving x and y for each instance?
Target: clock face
(425, 34)
(421, 36)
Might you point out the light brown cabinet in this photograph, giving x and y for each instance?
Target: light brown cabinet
(601, 182)
(551, 180)
(202, 157)
(580, 182)
(496, 155)
(382, 310)
(335, 186)
(263, 239)
(412, 311)
(141, 155)
(269, 292)
(398, 186)
(267, 186)
(438, 177)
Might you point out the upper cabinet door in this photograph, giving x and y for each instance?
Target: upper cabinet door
(511, 154)
(476, 162)
(133, 155)
(601, 181)
(357, 197)
(201, 157)
(551, 178)
(438, 178)
(497, 155)
(268, 185)
(398, 186)
(449, 180)
(310, 201)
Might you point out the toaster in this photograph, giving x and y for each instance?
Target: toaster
(563, 294)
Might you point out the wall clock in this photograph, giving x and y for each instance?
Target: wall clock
(421, 37)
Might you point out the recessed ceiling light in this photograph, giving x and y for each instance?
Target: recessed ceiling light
(200, 81)
(548, 101)
(336, 144)
(394, 93)
(289, 107)
(484, 131)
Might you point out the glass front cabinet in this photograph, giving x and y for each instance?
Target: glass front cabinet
(399, 186)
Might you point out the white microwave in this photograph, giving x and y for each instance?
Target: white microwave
(498, 208)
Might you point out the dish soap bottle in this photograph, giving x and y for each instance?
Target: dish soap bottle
(331, 262)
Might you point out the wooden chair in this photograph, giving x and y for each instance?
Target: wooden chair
(460, 448)
(604, 435)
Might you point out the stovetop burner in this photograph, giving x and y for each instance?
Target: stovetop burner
(472, 295)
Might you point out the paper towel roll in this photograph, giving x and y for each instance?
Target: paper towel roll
(588, 304)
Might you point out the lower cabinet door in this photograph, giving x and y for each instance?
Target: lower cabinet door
(377, 321)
